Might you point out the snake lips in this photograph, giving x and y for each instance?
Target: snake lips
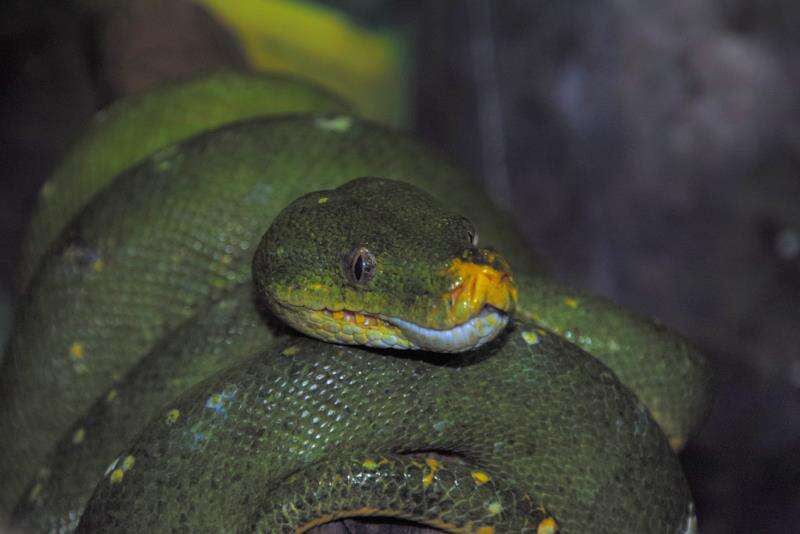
(475, 309)
(482, 296)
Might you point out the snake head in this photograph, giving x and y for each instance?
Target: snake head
(381, 263)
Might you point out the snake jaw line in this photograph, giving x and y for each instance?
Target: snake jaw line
(471, 312)
(469, 335)
(385, 332)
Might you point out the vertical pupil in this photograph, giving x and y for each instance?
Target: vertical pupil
(358, 267)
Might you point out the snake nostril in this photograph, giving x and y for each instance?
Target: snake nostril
(455, 294)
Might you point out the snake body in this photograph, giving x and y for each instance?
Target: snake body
(141, 359)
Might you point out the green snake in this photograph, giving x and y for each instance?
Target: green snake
(152, 382)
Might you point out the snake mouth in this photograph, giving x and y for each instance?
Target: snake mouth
(469, 335)
(386, 332)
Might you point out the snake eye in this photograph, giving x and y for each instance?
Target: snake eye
(359, 266)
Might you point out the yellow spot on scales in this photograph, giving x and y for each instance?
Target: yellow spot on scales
(371, 464)
(531, 338)
(484, 530)
(548, 525)
(79, 436)
(77, 350)
(480, 477)
(128, 462)
(98, 265)
(116, 475)
(290, 351)
(430, 475)
(494, 508)
(112, 394)
(172, 416)
(570, 302)
(322, 200)
(36, 491)
(119, 473)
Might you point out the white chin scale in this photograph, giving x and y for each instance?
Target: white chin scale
(481, 329)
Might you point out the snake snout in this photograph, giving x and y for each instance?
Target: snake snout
(479, 278)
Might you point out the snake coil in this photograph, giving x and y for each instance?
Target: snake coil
(146, 385)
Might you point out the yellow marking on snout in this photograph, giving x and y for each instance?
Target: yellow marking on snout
(475, 285)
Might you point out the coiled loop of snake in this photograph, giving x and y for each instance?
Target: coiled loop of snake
(147, 291)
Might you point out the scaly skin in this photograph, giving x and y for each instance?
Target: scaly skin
(231, 329)
(172, 237)
(667, 373)
(165, 239)
(535, 414)
(128, 131)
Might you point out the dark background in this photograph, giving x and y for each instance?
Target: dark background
(649, 150)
